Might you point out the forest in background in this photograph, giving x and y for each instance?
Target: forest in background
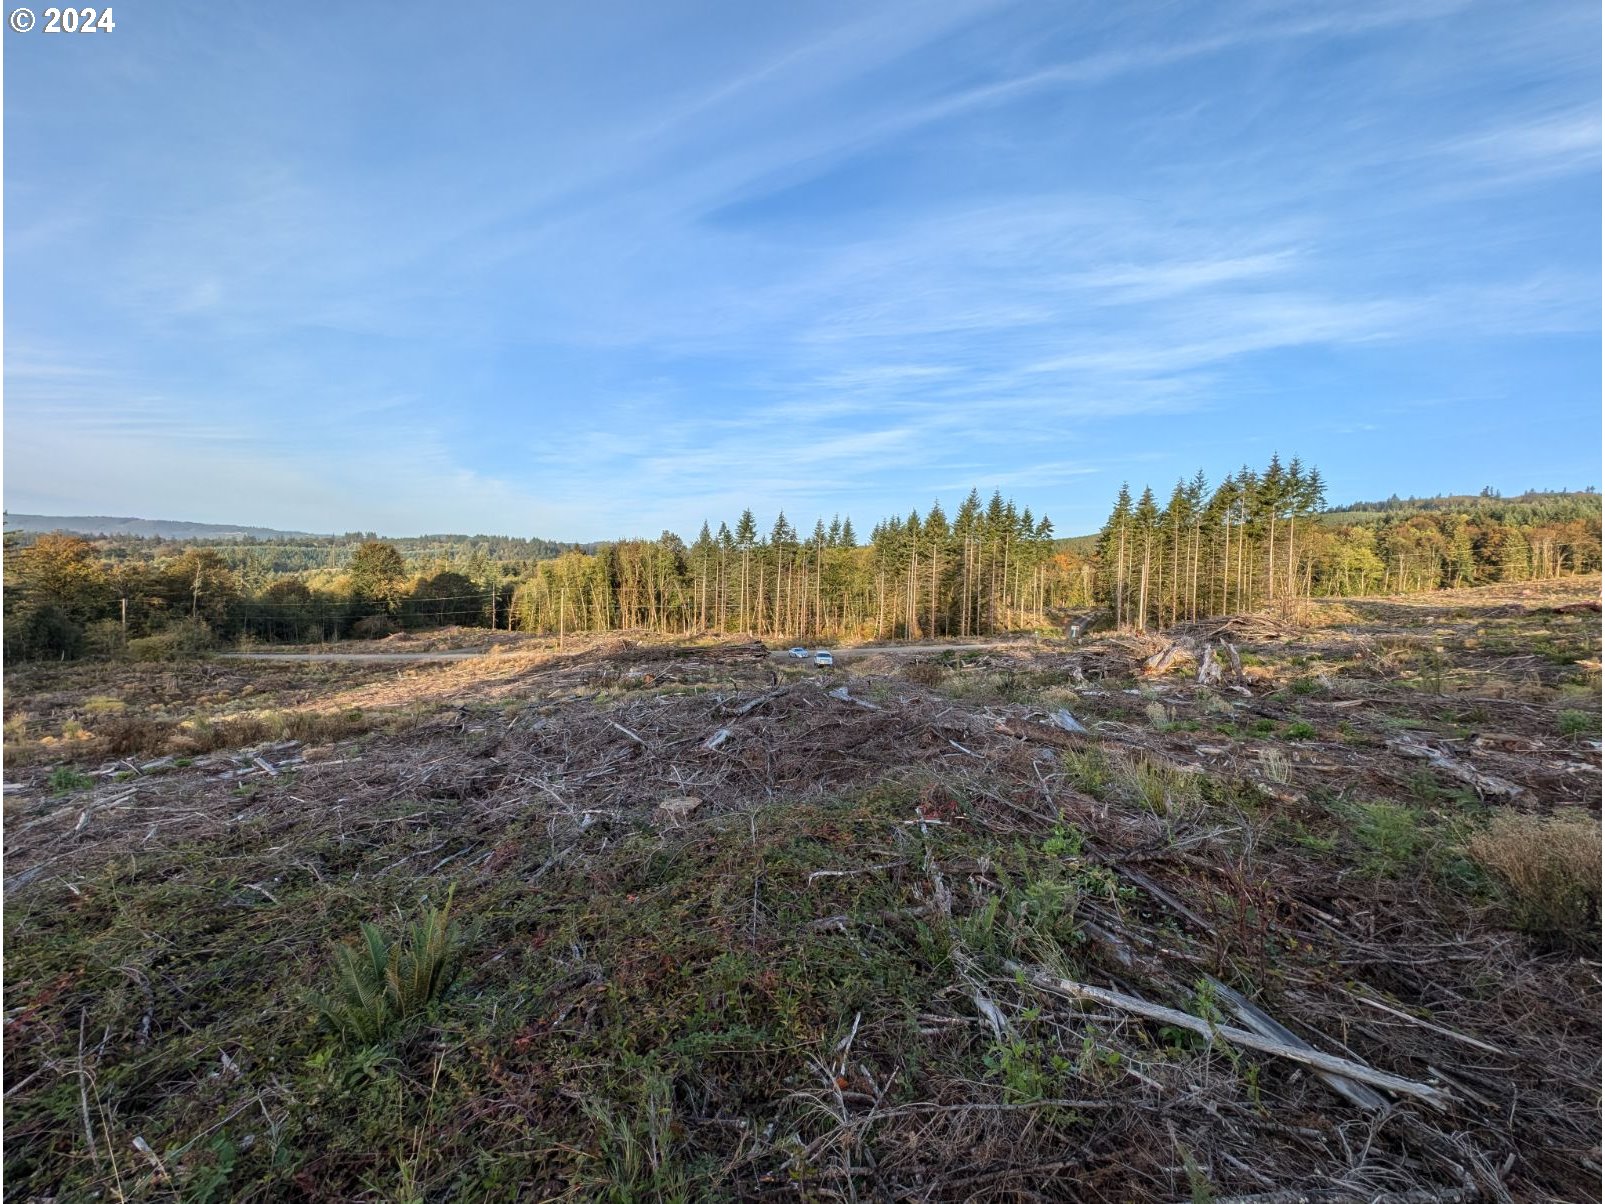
(1253, 539)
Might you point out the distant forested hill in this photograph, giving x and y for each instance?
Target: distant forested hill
(160, 528)
(1535, 505)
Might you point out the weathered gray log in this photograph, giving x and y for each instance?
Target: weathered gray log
(1065, 720)
(1237, 661)
(1482, 783)
(1344, 1195)
(841, 693)
(1261, 1022)
(1160, 661)
(1356, 1071)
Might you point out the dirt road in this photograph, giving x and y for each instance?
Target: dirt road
(460, 654)
(842, 654)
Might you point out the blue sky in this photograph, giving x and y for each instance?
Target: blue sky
(590, 270)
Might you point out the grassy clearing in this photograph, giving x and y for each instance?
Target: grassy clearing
(622, 1015)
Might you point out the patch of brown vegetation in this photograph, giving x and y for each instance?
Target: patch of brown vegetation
(1551, 866)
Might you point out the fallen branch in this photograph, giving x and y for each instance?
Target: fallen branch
(1427, 1024)
(1266, 1025)
(1237, 1036)
(1482, 783)
(1341, 1195)
(868, 869)
(754, 703)
(1160, 661)
(841, 693)
(1158, 892)
(83, 1092)
(627, 732)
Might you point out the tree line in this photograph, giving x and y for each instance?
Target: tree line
(992, 567)
(1253, 539)
(1260, 538)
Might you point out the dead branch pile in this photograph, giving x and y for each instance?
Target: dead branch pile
(1120, 655)
(1239, 629)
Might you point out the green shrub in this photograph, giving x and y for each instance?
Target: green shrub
(1088, 768)
(64, 780)
(1298, 730)
(1578, 723)
(41, 630)
(375, 627)
(379, 983)
(1065, 842)
(183, 640)
(104, 637)
(1163, 789)
(1390, 835)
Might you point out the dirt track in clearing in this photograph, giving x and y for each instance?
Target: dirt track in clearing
(463, 654)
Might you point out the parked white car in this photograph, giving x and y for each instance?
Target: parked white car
(798, 653)
(824, 659)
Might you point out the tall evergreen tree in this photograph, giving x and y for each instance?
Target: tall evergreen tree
(1113, 553)
(1145, 522)
(746, 539)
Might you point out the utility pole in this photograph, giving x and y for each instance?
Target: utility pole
(124, 601)
(562, 603)
(493, 608)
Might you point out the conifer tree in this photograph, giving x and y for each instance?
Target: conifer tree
(782, 538)
(1112, 552)
(703, 556)
(965, 526)
(936, 536)
(746, 537)
(821, 541)
(1145, 522)
(1197, 491)
(1272, 496)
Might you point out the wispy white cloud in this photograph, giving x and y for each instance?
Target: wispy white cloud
(1545, 144)
(835, 253)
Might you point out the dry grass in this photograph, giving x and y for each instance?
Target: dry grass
(924, 673)
(1551, 867)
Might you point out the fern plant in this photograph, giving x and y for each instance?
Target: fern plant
(379, 983)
